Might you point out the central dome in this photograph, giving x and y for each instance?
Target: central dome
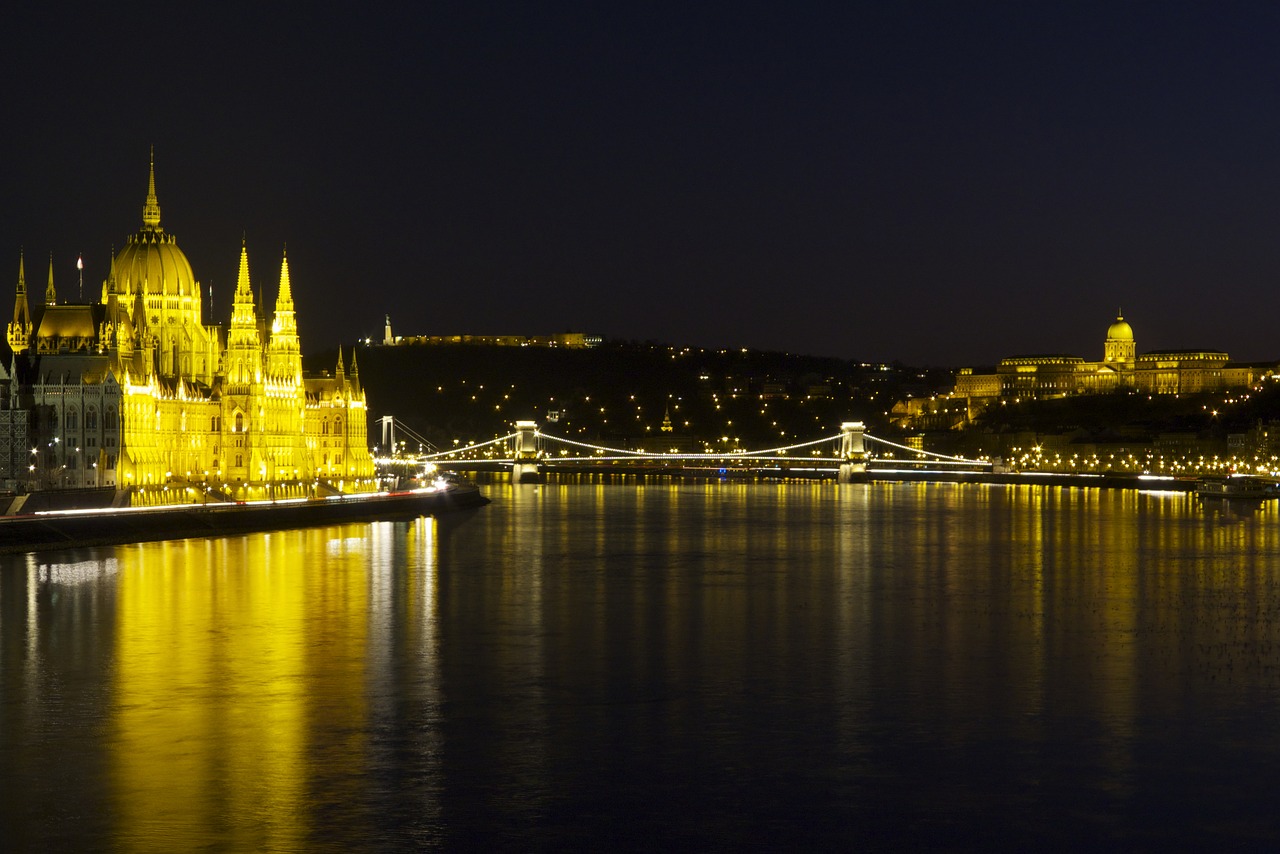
(151, 261)
(1120, 330)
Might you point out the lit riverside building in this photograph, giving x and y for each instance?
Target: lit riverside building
(135, 391)
(1156, 372)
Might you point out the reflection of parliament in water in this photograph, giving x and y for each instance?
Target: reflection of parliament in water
(137, 391)
(1156, 372)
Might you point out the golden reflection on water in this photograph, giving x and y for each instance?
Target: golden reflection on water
(241, 664)
(258, 686)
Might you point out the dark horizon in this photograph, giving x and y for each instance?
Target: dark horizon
(925, 183)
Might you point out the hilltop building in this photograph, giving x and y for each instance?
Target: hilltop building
(1155, 372)
(137, 391)
(1061, 375)
(569, 340)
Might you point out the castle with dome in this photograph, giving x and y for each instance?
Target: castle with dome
(1156, 372)
(136, 391)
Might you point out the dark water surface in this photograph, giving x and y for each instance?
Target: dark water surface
(658, 666)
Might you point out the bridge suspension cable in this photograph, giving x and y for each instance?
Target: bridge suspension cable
(685, 456)
(933, 454)
(451, 452)
(414, 435)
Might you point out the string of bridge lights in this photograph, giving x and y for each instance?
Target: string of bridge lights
(630, 454)
(441, 454)
(923, 452)
(762, 455)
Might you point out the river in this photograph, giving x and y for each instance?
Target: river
(646, 666)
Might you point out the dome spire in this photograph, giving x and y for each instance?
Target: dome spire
(151, 209)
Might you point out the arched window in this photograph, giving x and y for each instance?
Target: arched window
(239, 422)
(324, 427)
(337, 426)
(110, 418)
(73, 418)
(91, 419)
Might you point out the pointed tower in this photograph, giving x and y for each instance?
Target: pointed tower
(355, 373)
(122, 333)
(151, 207)
(244, 348)
(20, 329)
(144, 349)
(339, 372)
(50, 293)
(284, 356)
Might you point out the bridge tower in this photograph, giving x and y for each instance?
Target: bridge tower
(524, 467)
(389, 434)
(853, 450)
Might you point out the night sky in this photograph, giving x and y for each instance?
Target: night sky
(938, 183)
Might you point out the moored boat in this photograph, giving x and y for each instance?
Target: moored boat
(1236, 486)
(103, 526)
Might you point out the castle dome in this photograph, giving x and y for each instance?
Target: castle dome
(1120, 330)
(151, 261)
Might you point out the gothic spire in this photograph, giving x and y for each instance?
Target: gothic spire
(19, 332)
(242, 278)
(50, 294)
(284, 301)
(242, 309)
(151, 209)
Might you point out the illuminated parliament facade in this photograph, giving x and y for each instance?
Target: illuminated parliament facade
(136, 391)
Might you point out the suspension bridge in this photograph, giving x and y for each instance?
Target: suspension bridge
(529, 453)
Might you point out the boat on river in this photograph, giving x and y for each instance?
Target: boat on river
(1236, 487)
(113, 525)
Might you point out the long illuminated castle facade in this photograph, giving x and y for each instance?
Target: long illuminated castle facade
(1156, 372)
(137, 391)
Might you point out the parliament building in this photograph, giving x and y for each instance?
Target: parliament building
(136, 391)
